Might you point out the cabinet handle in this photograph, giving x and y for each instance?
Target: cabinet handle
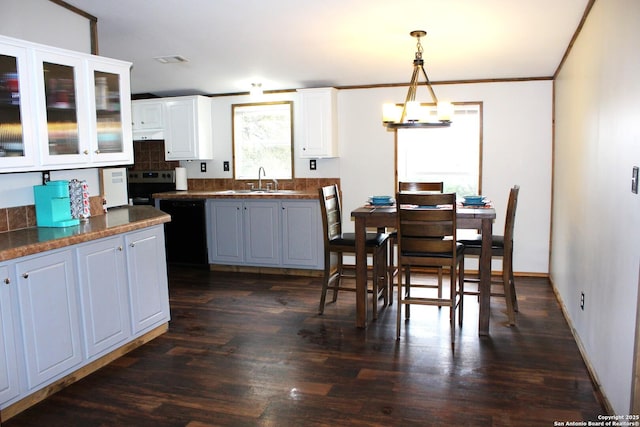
(7, 281)
(97, 151)
(86, 151)
(25, 275)
(132, 244)
(120, 248)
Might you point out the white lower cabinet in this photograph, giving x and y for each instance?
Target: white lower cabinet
(225, 239)
(95, 296)
(104, 295)
(147, 275)
(302, 234)
(271, 233)
(9, 378)
(47, 297)
(262, 232)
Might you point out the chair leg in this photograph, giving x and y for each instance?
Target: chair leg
(452, 309)
(325, 286)
(512, 283)
(407, 292)
(399, 310)
(461, 293)
(439, 282)
(506, 283)
(338, 278)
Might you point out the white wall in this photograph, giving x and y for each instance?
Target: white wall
(42, 21)
(596, 218)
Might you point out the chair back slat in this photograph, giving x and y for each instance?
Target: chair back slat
(330, 212)
(421, 186)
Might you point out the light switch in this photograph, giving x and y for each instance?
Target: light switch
(634, 180)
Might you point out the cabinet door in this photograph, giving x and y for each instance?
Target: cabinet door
(48, 315)
(9, 383)
(103, 294)
(110, 103)
(224, 225)
(147, 115)
(262, 232)
(147, 272)
(301, 234)
(63, 108)
(319, 123)
(18, 143)
(180, 130)
(188, 128)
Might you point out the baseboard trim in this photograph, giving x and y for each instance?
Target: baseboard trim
(599, 393)
(82, 372)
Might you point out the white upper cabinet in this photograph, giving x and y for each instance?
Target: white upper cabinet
(148, 119)
(110, 106)
(18, 139)
(61, 109)
(188, 131)
(319, 123)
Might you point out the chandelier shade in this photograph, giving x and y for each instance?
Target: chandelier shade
(413, 114)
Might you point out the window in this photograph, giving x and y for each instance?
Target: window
(452, 155)
(262, 137)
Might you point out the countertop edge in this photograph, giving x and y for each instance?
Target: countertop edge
(223, 194)
(34, 240)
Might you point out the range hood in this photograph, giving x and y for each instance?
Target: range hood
(147, 135)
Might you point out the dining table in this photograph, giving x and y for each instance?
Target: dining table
(479, 218)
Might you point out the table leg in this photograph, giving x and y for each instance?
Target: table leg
(485, 277)
(361, 273)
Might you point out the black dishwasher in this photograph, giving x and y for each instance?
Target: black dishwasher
(185, 235)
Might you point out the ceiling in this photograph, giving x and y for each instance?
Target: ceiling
(288, 44)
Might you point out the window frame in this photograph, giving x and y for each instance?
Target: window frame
(235, 140)
(458, 106)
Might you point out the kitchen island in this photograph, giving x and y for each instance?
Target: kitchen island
(74, 299)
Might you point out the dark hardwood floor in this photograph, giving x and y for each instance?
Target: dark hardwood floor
(246, 350)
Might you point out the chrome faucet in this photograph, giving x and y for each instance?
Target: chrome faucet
(275, 182)
(260, 177)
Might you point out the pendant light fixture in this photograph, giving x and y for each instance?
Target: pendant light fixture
(412, 114)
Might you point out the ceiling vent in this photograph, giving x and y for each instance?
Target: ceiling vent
(171, 59)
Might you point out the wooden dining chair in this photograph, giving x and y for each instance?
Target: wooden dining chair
(336, 243)
(407, 186)
(501, 247)
(426, 227)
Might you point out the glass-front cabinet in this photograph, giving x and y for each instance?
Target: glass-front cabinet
(63, 112)
(17, 136)
(110, 104)
(61, 109)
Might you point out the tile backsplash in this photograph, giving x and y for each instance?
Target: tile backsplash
(149, 155)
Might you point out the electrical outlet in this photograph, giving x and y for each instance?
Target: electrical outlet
(582, 301)
(225, 166)
(312, 164)
(203, 167)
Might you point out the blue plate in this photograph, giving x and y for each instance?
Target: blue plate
(475, 203)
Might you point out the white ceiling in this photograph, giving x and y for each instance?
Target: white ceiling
(287, 44)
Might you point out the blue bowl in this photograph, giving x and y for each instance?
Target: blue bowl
(473, 199)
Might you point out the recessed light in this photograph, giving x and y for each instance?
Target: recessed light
(171, 59)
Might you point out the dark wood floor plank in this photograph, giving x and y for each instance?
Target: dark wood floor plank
(247, 350)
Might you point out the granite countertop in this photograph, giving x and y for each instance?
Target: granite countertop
(28, 241)
(236, 194)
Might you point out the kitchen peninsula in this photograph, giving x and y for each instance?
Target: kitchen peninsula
(256, 231)
(73, 299)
